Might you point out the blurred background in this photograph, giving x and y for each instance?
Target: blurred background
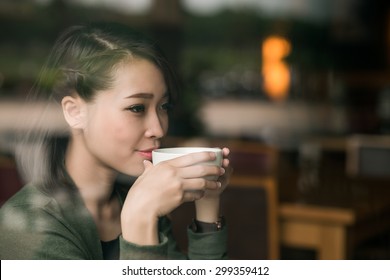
(301, 76)
(301, 68)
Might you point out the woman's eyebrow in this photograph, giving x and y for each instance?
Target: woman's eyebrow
(146, 95)
(141, 95)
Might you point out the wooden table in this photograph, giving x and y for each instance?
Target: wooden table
(332, 220)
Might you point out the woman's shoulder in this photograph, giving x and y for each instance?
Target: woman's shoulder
(35, 207)
(30, 195)
(34, 201)
(26, 208)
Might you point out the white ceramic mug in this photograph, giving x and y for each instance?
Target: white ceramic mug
(164, 154)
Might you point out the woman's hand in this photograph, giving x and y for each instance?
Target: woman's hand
(161, 189)
(207, 208)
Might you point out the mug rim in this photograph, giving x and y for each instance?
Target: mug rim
(186, 150)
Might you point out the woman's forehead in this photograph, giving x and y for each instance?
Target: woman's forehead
(138, 76)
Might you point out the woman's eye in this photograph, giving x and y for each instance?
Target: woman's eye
(166, 106)
(137, 108)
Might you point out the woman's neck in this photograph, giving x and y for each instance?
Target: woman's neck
(94, 181)
(96, 186)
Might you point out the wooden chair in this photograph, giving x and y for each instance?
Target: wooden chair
(250, 206)
(368, 164)
(250, 203)
(368, 156)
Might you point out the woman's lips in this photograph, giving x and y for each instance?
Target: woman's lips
(146, 154)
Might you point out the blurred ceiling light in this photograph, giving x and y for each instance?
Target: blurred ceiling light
(204, 6)
(276, 75)
(313, 10)
(126, 6)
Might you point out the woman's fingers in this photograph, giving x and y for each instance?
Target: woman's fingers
(198, 168)
(196, 171)
(225, 151)
(192, 195)
(200, 184)
(225, 162)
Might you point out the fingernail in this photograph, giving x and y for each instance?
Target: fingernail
(219, 184)
(222, 171)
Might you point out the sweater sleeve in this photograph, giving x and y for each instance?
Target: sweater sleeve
(131, 251)
(207, 246)
(201, 246)
(166, 249)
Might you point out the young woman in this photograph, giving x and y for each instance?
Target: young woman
(115, 89)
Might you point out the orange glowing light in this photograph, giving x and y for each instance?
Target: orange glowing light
(276, 75)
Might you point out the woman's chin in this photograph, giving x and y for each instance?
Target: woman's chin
(134, 172)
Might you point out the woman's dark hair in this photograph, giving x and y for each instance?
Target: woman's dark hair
(81, 62)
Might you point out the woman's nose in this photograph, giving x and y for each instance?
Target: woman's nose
(156, 126)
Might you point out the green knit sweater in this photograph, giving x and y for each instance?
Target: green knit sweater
(36, 224)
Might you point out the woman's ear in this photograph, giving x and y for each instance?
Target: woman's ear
(74, 111)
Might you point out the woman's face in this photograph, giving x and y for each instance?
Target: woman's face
(125, 123)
